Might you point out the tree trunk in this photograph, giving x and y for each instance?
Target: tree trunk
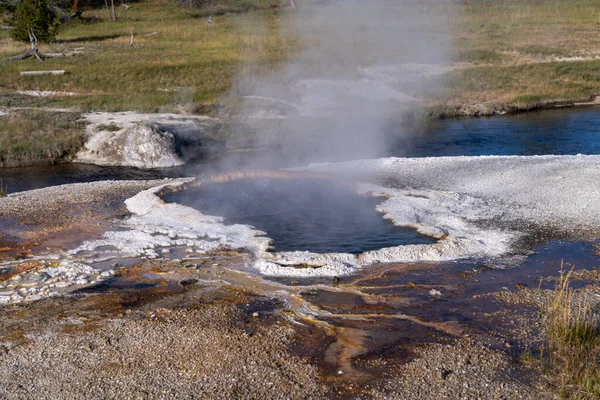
(112, 14)
(114, 11)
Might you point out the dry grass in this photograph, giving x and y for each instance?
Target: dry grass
(512, 48)
(507, 51)
(573, 341)
(187, 55)
(28, 137)
(529, 28)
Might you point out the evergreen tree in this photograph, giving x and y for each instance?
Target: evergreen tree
(34, 16)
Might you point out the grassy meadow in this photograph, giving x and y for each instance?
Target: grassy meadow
(511, 52)
(505, 52)
(188, 60)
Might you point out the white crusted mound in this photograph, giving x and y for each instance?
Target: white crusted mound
(157, 225)
(139, 140)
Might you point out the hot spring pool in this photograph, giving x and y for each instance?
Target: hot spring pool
(314, 215)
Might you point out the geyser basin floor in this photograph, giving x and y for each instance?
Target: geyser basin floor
(301, 214)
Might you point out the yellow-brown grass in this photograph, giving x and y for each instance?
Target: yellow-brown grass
(573, 341)
(507, 50)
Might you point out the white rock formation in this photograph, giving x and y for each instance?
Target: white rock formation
(140, 140)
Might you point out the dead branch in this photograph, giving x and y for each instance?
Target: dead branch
(29, 53)
(112, 13)
(6, 27)
(132, 42)
(153, 33)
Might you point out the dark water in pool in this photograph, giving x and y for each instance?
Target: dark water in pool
(300, 215)
(565, 131)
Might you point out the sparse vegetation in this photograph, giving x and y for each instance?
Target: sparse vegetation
(28, 137)
(573, 340)
(3, 189)
(112, 127)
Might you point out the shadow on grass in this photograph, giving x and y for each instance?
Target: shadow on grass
(97, 38)
(228, 10)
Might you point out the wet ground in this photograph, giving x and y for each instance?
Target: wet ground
(356, 330)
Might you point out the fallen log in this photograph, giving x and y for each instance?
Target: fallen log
(49, 72)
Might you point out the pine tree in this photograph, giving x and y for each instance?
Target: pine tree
(34, 17)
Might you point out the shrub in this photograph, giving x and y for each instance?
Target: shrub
(35, 16)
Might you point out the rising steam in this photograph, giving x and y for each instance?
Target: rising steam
(363, 64)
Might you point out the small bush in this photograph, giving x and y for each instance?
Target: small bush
(527, 99)
(112, 127)
(35, 16)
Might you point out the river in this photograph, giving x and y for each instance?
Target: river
(561, 131)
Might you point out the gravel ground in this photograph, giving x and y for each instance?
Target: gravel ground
(54, 206)
(462, 370)
(184, 354)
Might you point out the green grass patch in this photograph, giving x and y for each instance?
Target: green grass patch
(528, 99)
(28, 137)
(479, 56)
(112, 127)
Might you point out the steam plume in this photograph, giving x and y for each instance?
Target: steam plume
(363, 64)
